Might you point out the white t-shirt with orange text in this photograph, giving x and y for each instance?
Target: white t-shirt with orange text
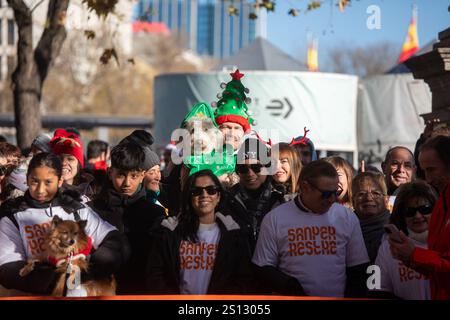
(197, 260)
(26, 241)
(314, 248)
(397, 278)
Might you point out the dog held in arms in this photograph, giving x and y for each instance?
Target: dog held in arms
(67, 247)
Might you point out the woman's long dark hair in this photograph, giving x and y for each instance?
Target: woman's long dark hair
(408, 191)
(189, 220)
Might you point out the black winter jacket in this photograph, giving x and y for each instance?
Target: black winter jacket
(249, 208)
(232, 268)
(134, 217)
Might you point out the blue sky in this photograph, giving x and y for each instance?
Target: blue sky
(333, 28)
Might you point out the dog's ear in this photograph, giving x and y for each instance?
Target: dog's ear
(55, 221)
(82, 224)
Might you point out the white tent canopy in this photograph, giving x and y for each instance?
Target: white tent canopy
(283, 103)
(389, 108)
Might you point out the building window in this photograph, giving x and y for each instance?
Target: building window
(10, 31)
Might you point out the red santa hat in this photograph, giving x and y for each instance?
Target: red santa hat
(64, 142)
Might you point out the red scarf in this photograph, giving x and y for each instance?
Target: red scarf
(76, 255)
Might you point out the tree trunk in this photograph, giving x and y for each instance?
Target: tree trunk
(25, 81)
(26, 109)
(32, 65)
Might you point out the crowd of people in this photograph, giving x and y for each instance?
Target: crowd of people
(265, 219)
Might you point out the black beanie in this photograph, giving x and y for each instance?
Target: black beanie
(253, 149)
(145, 140)
(141, 137)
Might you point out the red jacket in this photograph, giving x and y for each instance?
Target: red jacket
(435, 261)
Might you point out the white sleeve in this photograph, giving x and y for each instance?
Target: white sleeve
(384, 261)
(266, 251)
(96, 227)
(356, 249)
(11, 244)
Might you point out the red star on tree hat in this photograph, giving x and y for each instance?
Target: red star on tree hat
(237, 75)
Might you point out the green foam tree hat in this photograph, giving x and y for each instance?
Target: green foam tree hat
(200, 111)
(232, 106)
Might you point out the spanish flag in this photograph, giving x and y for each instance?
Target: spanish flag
(411, 44)
(312, 59)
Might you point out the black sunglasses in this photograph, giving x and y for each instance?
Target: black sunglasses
(326, 194)
(244, 169)
(424, 210)
(198, 191)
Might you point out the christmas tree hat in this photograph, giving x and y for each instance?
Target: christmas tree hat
(218, 162)
(200, 112)
(232, 104)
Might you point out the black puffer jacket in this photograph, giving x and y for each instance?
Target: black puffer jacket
(134, 217)
(249, 208)
(232, 269)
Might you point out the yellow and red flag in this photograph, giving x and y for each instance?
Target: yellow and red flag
(313, 56)
(411, 44)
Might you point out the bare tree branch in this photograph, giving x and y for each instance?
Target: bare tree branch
(53, 36)
(36, 5)
(363, 61)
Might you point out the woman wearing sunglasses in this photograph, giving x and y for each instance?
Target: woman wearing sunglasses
(202, 251)
(411, 214)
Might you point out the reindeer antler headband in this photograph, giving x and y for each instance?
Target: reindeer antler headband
(302, 141)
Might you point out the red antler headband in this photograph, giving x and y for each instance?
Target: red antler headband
(269, 143)
(70, 142)
(303, 140)
(64, 142)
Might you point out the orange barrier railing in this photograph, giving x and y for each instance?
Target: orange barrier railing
(177, 297)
